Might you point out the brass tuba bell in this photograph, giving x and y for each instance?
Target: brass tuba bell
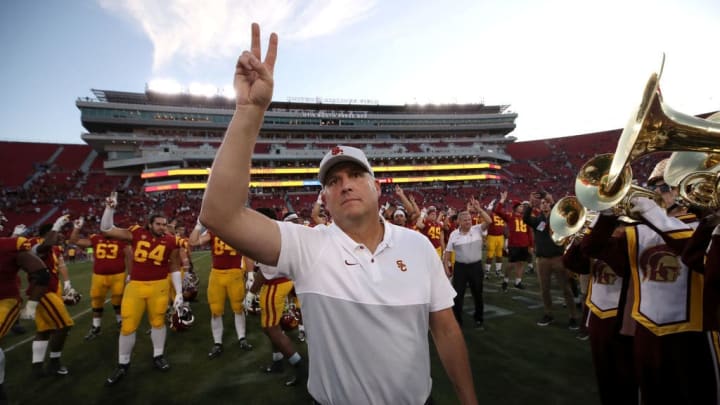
(682, 164)
(701, 189)
(655, 127)
(569, 220)
(566, 218)
(591, 187)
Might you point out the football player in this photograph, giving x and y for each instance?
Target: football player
(227, 281)
(15, 255)
(155, 254)
(53, 321)
(273, 295)
(520, 240)
(428, 224)
(495, 242)
(111, 258)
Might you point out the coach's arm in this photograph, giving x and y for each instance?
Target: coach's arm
(452, 350)
(224, 210)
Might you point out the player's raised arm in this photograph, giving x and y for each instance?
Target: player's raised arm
(107, 225)
(223, 209)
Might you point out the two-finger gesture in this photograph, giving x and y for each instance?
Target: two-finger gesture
(253, 81)
(111, 202)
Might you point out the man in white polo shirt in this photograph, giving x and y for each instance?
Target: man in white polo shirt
(467, 243)
(370, 290)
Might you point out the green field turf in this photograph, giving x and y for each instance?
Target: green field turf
(513, 360)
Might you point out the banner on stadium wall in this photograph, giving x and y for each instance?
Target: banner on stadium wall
(309, 183)
(154, 174)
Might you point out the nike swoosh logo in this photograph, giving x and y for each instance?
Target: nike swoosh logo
(350, 264)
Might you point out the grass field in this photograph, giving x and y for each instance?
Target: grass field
(513, 360)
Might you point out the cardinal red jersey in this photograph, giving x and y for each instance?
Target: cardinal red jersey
(151, 254)
(51, 261)
(450, 227)
(497, 226)
(224, 256)
(109, 255)
(433, 231)
(9, 248)
(519, 234)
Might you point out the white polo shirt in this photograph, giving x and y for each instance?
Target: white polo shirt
(467, 246)
(366, 315)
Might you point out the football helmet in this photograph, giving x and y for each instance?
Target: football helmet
(182, 319)
(71, 296)
(252, 304)
(190, 285)
(290, 318)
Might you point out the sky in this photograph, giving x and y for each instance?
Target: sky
(566, 67)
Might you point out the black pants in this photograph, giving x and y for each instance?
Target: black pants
(428, 402)
(471, 274)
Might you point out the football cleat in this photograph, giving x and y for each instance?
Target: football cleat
(275, 367)
(160, 363)
(216, 351)
(299, 377)
(117, 375)
(504, 286)
(94, 332)
(243, 343)
(520, 286)
(56, 368)
(38, 371)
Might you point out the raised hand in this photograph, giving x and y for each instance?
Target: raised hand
(253, 80)
(60, 222)
(19, 230)
(111, 202)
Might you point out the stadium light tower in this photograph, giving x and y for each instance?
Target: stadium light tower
(228, 91)
(167, 86)
(203, 89)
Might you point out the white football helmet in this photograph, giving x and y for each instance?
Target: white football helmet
(71, 296)
(182, 319)
(190, 286)
(252, 303)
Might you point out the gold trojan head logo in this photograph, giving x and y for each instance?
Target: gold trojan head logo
(659, 264)
(602, 273)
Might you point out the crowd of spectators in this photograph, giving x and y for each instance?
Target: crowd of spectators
(548, 165)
